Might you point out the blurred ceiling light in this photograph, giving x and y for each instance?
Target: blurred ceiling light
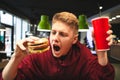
(110, 19)
(113, 18)
(117, 16)
(100, 7)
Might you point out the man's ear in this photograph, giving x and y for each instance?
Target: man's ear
(75, 39)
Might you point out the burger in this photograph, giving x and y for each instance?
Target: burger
(39, 46)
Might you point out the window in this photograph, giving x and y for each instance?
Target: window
(6, 18)
(24, 28)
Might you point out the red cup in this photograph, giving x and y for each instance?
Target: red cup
(101, 26)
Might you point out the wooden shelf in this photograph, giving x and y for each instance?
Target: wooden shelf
(83, 30)
(6, 51)
(80, 30)
(43, 30)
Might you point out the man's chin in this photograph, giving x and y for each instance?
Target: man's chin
(57, 55)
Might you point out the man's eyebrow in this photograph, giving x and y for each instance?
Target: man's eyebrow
(63, 32)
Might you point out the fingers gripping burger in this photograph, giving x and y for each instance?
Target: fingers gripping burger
(39, 46)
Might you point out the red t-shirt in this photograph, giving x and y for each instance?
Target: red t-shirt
(79, 64)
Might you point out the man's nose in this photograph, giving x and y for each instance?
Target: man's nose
(56, 37)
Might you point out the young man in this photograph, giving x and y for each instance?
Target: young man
(67, 58)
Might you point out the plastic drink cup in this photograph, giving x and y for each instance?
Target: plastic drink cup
(101, 26)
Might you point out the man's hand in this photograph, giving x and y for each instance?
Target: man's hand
(102, 55)
(10, 70)
(110, 37)
(21, 47)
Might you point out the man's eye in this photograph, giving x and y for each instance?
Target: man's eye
(62, 34)
(53, 32)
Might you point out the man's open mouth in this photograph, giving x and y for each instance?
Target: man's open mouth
(56, 48)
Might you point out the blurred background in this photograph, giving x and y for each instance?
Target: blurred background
(22, 18)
